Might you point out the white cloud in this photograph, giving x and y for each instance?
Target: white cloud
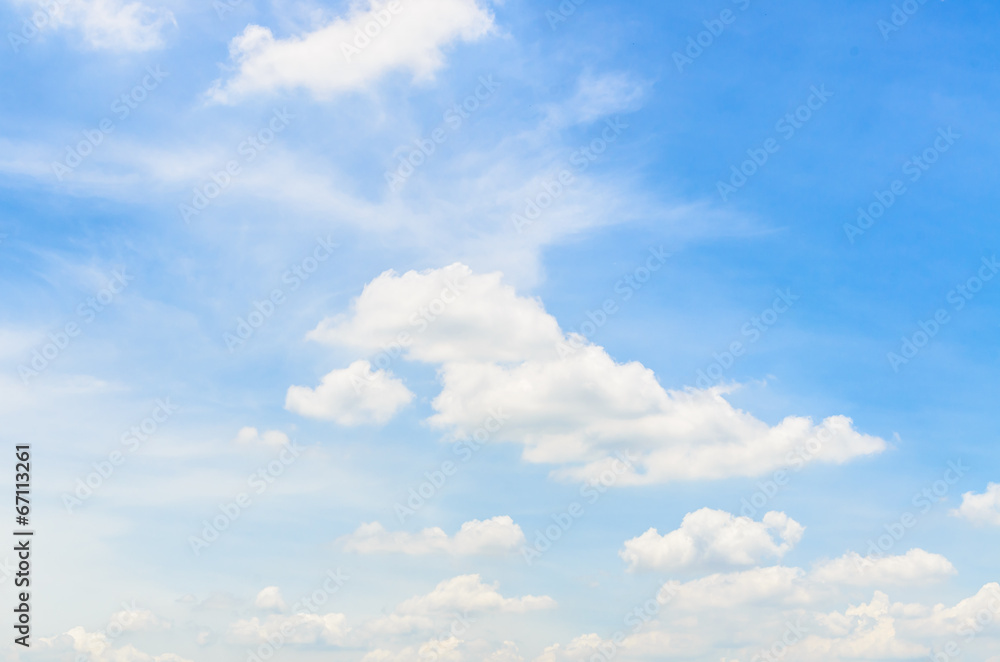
(469, 593)
(981, 509)
(714, 536)
(445, 650)
(498, 534)
(250, 436)
(299, 628)
(776, 585)
(462, 595)
(115, 25)
(352, 396)
(597, 97)
(270, 598)
(407, 35)
(565, 401)
(915, 567)
(867, 631)
(97, 647)
(974, 614)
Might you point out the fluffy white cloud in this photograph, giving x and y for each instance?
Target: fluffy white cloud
(709, 536)
(915, 567)
(301, 628)
(469, 593)
(115, 25)
(866, 631)
(975, 614)
(446, 650)
(463, 595)
(565, 401)
(981, 509)
(249, 436)
(98, 647)
(775, 585)
(495, 535)
(766, 614)
(270, 598)
(355, 395)
(353, 51)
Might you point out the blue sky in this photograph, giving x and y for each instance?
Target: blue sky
(590, 115)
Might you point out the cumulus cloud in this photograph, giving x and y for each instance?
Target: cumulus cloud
(981, 509)
(915, 567)
(495, 535)
(249, 436)
(353, 51)
(866, 631)
(469, 593)
(567, 402)
(114, 25)
(355, 395)
(98, 646)
(709, 536)
(760, 608)
(776, 585)
(447, 650)
(463, 594)
(270, 598)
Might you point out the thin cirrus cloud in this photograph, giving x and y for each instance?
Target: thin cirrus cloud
(564, 400)
(251, 436)
(356, 395)
(492, 536)
(111, 25)
(981, 509)
(353, 51)
(300, 628)
(709, 536)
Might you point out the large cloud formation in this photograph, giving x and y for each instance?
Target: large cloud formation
(564, 400)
